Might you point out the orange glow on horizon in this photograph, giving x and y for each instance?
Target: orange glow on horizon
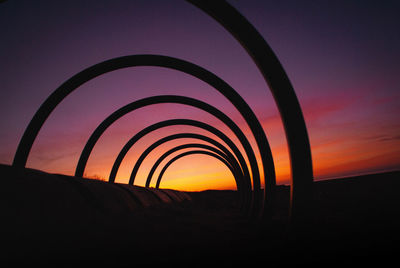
(338, 149)
(336, 157)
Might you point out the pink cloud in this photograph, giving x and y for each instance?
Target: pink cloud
(319, 107)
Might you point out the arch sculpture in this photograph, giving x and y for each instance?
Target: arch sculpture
(188, 122)
(173, 122)
(174, 137)
(180, 100)
(228, 161)
(230, 158)
(161, 61)
(285, 98)
(275, 76)
(190, 153)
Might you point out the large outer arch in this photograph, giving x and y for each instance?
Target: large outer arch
(172, 122)
(74, 82)
(285, 98)
(185, 154)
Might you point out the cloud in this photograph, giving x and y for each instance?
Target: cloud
(314, 109)
(319, 107)
(390, 138)
(383, 138)
(385, 100)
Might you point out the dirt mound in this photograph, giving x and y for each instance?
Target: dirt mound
(53, 219)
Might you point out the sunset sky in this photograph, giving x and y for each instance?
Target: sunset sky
(342, 58)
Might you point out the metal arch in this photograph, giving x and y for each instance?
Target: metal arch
(244, 193)
(173, 122)
(189, 153)
(285, 99)
(222, 151)
(170, 138)
(181, 100)
(243, 190)
(270, 67)
(189, 122)
(80, 78)
(233, 165)
(248, 204)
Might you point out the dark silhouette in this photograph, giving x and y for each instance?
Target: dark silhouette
(159, 142)
(181, 100)
(168, 62)
(285, 98)
(223, 152)
(188, 122)
(244, 188)
(56, 216)
(274, 74)
(190, 153)
(51, 218)
(163, 140)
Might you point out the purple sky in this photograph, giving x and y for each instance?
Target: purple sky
(342, 58)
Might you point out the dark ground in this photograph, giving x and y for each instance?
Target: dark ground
(356, 221)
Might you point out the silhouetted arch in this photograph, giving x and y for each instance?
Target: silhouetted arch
(181, 100)
(244, 192)
(174, 137)
(188, 122)
(274, 74)
(74, 82)
(190, 153)
(285, 98)
(233, 166)
(243, 165)
(223, 153)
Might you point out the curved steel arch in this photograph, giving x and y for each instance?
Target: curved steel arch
(244, 193)
(185, 154)
(285, 98)
(271, 69)
(174, 137)
(181, 100)
(248, 204)
(172, 122)
(189, 122)
(223, 153)
(74, 82)
(233, 165)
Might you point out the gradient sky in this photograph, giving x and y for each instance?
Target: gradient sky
(342, 58)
